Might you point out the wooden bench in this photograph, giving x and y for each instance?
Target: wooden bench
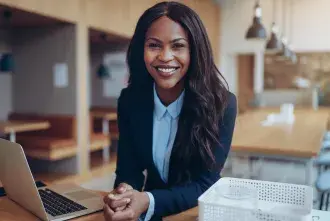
(57, 142)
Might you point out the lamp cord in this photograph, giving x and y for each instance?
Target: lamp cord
(274, 11)
(284, 18)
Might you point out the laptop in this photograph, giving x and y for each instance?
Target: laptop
(54, 202)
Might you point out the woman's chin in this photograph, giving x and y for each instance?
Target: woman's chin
(166, 84)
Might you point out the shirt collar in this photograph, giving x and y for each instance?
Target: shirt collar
(173, 109)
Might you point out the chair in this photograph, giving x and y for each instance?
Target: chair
(323, 186)
(326, 136)
(325, 145)
(322, 161)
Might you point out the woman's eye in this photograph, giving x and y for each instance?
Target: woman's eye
(178, 45)
(153, 45)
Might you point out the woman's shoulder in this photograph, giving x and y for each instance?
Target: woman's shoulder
(232, 101)
(231, 106)
(132, 95)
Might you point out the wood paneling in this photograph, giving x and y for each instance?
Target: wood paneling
(117, 16)
(245, 65)
(61, 9)
(209, 12)
(120, 17)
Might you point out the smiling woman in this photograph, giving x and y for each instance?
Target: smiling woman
(176, 117)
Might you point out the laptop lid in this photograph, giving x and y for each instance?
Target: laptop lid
(17, 179)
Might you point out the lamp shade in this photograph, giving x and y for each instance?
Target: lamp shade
(274, 44)
(256, 30)
(103, 72)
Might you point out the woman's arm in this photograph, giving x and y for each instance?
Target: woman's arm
(182, 197)
(128, 169)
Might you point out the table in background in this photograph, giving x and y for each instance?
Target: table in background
(106, 116)
(13, 127)
(300, 141)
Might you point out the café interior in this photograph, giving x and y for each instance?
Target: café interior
(63, 66)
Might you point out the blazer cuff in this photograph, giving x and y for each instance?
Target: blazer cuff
(151, 208)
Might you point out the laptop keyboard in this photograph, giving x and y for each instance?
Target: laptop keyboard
(57, 205)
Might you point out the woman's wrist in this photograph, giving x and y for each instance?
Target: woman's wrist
(145, 201)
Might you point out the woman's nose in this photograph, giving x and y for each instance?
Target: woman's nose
(165, 55)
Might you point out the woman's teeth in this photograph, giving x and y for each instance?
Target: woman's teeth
(166, 70)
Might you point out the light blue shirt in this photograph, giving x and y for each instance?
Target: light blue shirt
(165, 126)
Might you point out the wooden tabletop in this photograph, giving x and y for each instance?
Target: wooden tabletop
(301, 139)
(10, 211)
(104, 115)
(22, 126)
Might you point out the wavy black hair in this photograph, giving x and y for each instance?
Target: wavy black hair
(206, 91)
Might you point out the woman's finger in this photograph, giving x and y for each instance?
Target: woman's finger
(127, 194)
(119, 208)
(127, 214)
(123, 187)
(108, 212)
(114, 204)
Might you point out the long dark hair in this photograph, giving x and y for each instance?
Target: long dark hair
(205, 88)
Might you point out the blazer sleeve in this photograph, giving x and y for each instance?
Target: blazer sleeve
(128, 169)
(182, 197)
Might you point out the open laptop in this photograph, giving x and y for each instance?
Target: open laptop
(57, 202)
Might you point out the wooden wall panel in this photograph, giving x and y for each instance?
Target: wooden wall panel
(120, 17)
(209, 12)
(66, 10)
(108, 15)
(117, 16)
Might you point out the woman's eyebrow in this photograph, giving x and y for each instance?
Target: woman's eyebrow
(155, 39)
(172, 41)
(178, 39)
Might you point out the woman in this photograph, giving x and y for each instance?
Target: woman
(176, 118)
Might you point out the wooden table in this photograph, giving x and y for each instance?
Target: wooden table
(9, 211)
(13, 127)
(106, 116)
(299, 141)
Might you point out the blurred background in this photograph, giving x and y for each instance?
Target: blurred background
(62, 67)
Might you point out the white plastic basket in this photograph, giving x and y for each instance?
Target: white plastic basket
(254, 200)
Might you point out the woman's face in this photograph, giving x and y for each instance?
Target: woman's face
(167, 53)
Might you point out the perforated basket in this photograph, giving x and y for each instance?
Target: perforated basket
(273, 201)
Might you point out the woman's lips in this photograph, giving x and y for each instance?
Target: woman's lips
(166, 71)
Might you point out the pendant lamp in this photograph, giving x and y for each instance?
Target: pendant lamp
(274, 44)
(103, 71)
(256, 30)
(285, 53)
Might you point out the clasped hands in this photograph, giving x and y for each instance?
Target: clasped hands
(125, 204)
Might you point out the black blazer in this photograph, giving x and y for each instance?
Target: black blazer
(135, 121)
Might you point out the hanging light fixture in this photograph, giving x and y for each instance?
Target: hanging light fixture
(103, 71)
(293, 56)
(256, 30)
(285, 53)
(274, 45)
